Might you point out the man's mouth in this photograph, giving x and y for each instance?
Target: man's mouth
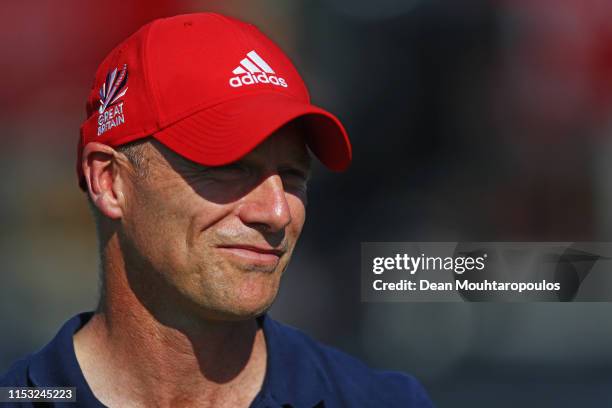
(252, 253)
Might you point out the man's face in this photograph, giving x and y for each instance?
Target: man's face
(216, 239)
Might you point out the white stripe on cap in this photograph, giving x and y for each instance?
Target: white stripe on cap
(250, 66)
(259, 61)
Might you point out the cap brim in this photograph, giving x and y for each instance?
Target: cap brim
(228, 131)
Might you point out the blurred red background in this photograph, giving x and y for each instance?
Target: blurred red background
(470, 120)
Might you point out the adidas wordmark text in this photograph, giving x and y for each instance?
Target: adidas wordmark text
(253, 70)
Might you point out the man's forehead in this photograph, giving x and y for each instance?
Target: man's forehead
(288, 142)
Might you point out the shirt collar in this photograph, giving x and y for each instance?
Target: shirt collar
(294, 374)
(56, 364)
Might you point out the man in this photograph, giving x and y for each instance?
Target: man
(194, 158)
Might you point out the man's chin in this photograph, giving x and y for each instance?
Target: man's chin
(239, 314)
(245, 310)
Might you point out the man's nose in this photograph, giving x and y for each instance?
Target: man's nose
(266, 205)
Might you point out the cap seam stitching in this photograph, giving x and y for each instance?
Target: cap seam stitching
(193, 111)
(152, 90)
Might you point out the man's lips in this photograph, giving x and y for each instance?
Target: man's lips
(254, 253)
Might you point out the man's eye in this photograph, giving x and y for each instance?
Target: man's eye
(294, 177)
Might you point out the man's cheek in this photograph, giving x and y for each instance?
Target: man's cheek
(298, 211)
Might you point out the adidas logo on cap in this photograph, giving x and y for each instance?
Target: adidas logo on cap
(254, 70)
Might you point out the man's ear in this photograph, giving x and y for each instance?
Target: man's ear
(105, 187)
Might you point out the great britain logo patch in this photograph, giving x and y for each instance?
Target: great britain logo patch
(111, 107)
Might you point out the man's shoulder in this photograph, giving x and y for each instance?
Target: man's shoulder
(16, 375)
(350, 377)
(48, 365)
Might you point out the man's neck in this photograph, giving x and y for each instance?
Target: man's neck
(129, 358)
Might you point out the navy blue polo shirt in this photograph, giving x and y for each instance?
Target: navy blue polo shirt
(300, 373)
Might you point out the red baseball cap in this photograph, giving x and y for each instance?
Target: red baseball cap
(209, 87)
